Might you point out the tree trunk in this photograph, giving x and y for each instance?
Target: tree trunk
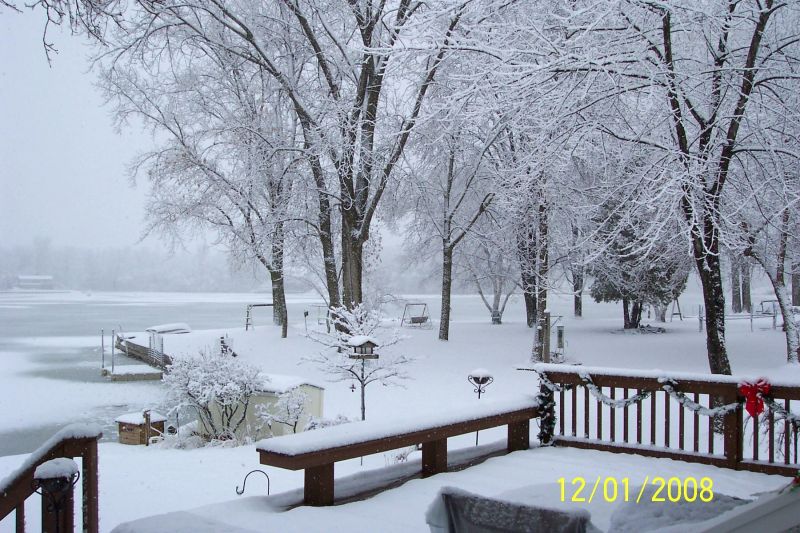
(708, 268)
(626, 314)
(736, 285)
(526, 247)
(542, 271)
(352, 264)
(636, 315)
(796, 284)
(279, 313)
(577, 290)
(447, 283)
(747, 301)
(661, 312)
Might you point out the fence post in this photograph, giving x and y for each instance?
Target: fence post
(91, 507)
(732, 430)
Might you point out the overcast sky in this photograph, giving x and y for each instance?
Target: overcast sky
(62, 165)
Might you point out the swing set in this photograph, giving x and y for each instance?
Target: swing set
(415, 314)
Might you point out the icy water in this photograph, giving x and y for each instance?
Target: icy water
(50, 355)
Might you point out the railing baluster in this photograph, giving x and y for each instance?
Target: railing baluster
(586, 412)
(755, 439)
(787, 436)
(561, 411)
(696, 425)
(667, 421)
(710, 430)
(20, 517)
(681, 426)
(613, 415)
(575, 411)
(625, 416)
(639, 419)
(771, 435)
(653, 418)
(599, 431)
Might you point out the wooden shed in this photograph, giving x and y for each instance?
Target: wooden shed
(132, 427)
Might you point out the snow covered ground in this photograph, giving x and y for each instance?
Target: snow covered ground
(138, 482)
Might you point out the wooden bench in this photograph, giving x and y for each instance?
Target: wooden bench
(317, 451)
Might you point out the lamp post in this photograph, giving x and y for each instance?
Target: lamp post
(480, 378)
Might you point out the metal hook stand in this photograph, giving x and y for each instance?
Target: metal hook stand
(244, 482)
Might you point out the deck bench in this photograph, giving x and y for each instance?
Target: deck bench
(317, 451)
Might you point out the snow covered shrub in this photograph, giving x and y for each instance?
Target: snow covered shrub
(218, 388)
(319, 423)
(288, 410)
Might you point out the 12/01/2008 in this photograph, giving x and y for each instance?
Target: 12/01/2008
(611, 489)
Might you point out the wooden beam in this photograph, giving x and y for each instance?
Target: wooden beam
(519, 435)
(318, 490)
(434, 457)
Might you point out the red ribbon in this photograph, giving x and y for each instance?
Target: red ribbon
(753, 394)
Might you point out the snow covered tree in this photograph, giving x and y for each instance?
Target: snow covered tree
(628, 269)
(288, 410)
(225, 162)
(218, 388)
(351, 328)
(340, 66)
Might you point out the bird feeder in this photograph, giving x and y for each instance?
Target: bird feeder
(363, 347)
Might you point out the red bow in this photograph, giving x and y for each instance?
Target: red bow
(753, 394)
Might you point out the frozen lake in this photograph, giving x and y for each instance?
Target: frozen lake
(50, 352)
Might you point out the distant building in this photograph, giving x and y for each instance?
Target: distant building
(29, 282)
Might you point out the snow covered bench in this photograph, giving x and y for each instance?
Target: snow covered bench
(317, 451)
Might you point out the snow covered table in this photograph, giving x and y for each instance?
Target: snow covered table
(317, 451)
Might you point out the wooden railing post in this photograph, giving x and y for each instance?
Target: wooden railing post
(547, 413)
(20, 517)
(732, 431)
(434, 457)
(519, 435)
(318, 489)
(91, 509)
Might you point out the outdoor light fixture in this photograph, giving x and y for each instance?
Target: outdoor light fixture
(54, 480)
(480, 378)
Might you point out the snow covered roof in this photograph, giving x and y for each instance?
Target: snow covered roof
(137, 418)
(54, 468)
(359, 340)
(280, 383)
(177, 327)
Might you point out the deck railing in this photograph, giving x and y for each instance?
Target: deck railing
(679, 416)
(72, 441)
